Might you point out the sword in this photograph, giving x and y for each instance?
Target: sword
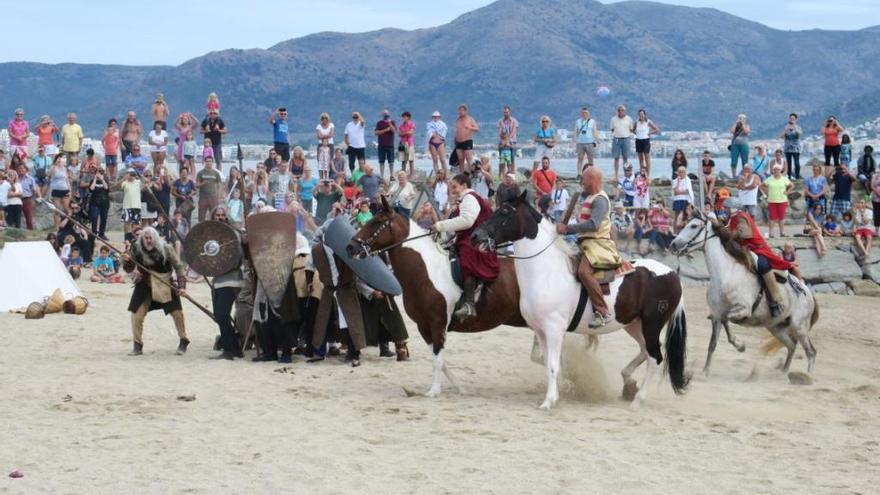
(117, 251)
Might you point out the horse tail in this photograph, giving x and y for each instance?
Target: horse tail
(676, 350)
(815, 316)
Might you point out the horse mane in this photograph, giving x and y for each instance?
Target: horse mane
(740, 254)
(416, 230)
(559, 240)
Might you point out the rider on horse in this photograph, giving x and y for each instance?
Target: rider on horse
(593, 232)
(744, 230)
(471, 212)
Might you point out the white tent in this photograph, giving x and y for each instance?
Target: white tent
(30, 271)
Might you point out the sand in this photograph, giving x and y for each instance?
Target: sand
(79, 416)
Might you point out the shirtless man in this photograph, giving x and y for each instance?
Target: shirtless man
(131, 133)
(465, 127)
(160, 111)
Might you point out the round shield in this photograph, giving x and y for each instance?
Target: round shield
(212, 248)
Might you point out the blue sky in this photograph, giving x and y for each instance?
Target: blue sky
(118, 32)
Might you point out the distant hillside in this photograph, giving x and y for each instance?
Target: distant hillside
(692, 68)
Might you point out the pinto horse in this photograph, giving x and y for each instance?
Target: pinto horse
(643, 301)
(430, 294)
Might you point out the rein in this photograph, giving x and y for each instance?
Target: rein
(513, 257)
(365, 243)
(695, 241)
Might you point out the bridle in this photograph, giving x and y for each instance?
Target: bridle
(387, 224)
(696, 240)
(491, 241)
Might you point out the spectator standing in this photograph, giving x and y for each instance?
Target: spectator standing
(110, 142)
(561, 197)
(465, 127)
(370, 184)
(678, 161)
(642, 199)
(326, 195)
(209, 183)
(777, 188)
(875, 201)
(660, 232)
(791, 134)
(507, 128)
(13, 200)
(306, 187)
(59, 185)
(403, 195)
(407, 150)
(621, 132)
(298, 162)
(271, 161)
(280, 132)
(281, 182)
(866, 167)
(132, 130)
(682, 198)
(355, 141)
(815, 191)
(778, 159)
(544, 179)
(586, 138)
(739, 143)
(214, 128)
(5, 186)
(748, 185)
(338, 169)
(135, 160)
(644, 128)
(84, 180)
(99, 202)
(831, 133)
(19, 130)
(760, 162)
(46, 130)
(71, 136)
(131, 203)
(29, 189)
(708, 175)
(481, 178)
(384, 132)
(325, 132)
(158, 139)
(626, 185)
(160, 111)
(545, 140)
(42, 162)
(845, 149)
(841, 202)
(435, 134)
(187, 126)
(183, 189)
(440, 189)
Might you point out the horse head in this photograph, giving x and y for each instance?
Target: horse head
(514, 220)
(694, 235)
(385, 229)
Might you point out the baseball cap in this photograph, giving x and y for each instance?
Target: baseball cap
(435, 114)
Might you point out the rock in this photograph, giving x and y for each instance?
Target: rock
(836, 266)
(799, 378)
(864, 287)
(871, 272)
(832, 288)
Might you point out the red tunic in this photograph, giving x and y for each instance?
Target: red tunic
(757, 244)
(483, 265)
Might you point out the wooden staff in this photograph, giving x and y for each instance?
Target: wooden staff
(570, 210)
(117, 251)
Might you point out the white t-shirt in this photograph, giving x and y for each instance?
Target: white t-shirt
(643, 130)
(560, 199)
(4, 192)
(621, 127)
(157, 140)
(329, 131)
(355, 133)
(749, 197)
(14, 200)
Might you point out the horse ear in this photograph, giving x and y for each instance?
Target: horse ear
(522, 196)
(385, 205)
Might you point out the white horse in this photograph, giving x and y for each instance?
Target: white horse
(643, 301)
(735, 294)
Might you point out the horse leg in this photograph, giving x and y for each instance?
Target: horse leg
(740, 347)
(790, 346)
(713, 341)
(630, 386)
(452, 381)
(807, 344)
(643, 388)
(651, 338)
(539, 347)
(552, 357)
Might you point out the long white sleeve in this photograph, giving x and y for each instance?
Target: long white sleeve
(468, 211)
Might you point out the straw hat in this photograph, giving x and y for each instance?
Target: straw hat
(55, 302)
(76, 306)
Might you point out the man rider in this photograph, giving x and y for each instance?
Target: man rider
(593, 232)
(476, 265)
(744, 230)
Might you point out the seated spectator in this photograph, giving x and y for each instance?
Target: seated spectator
(74, 262)
(816, 189)
(626, 186)
(708, 177)
(682, 197)
(790, 254)
(508, 190)
(813, 229)
(351, 193)
(661, 231)
(847, 225)
(830, 227)
(642, 199)
(841, 202)
(864, 227)
(866, 167)
(560, 199)
(426, 216)
(105, 270)
(364, 214)
(641, 227)
(66, 247)
(622, 228)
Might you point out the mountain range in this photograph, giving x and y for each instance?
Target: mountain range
(691, 68)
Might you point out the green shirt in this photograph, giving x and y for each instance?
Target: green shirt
(776, 189)
(356, 175)
(211, 183)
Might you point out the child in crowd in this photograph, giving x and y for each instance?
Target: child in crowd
(235, 208)
(830, 227)
(642, 185)
(164, 229)
(364, 214)
(845, 149)
(213, 103)
(105, 269)
(324, 160)
(864, 227)
(351, 194)
(708, 175)
(814, 230)
(505, 156)
(338, 164)
(847, 225)
(189, 151)
(208, 150)
(74, 262)
(560, 199)
(66, 248)
(790, 254)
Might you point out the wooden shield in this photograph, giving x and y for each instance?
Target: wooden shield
(272, 246)
(212, 248)
(372, 270)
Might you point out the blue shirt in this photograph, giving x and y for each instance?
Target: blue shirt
(628, 184)
(546, 134)
(306, 187)
(279, 131)
(27, 186)
(816, 184)
(585, 131)
(842, 186)
(137, 163)
(42, 162)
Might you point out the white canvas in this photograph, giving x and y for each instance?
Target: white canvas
(30, 271)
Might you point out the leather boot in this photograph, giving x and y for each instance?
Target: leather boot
(774, 294)
(181, 348)
(137, 350)
(467, 309)
(384, 351)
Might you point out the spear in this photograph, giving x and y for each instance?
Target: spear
(155, 275)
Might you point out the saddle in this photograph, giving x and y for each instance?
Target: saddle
(605, 277)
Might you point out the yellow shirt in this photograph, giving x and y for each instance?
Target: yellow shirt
(70, 136)
(131, 194)
(776, 189)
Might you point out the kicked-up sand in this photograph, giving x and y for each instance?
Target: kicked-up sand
(79, 416)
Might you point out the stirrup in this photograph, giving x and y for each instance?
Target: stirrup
(467, 310)
(598, 320)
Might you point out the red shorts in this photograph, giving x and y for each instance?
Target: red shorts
(865, 232)
(777, 211)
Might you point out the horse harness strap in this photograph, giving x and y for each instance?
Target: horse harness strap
(578, 311)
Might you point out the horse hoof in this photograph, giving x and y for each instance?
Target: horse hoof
(706, 372)
(432, 393)
(635, 405)
(741, 348)
(546, 406)
(800, 378)
(630, 389)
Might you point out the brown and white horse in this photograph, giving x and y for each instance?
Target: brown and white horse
(644, 301)
(429, 292)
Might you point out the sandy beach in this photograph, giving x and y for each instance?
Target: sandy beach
(82, 417)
